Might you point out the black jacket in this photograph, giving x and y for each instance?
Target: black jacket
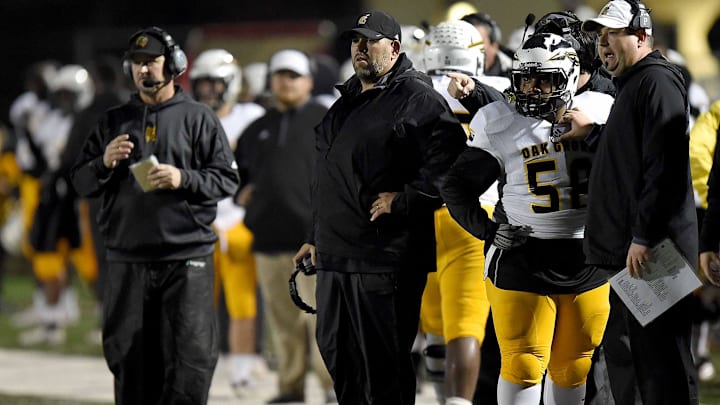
(161, 224)
(399, 136)
(276, 153)
(599, 83)
(640, 186)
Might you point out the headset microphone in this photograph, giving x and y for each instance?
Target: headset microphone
(148, 83)
(528, 22)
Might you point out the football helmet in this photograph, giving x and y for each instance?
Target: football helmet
(75, 80)
(568, 25)
(256, 74)
(413, 44)
(546, 57)
(455, 46)
(218, 64)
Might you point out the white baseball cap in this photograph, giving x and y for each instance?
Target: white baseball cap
(615, 14)
(292, 60)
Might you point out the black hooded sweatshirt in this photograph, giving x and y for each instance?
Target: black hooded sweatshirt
(640, 184)
(159, 225)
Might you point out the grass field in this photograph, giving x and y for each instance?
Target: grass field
(17, 289)
(17, 286)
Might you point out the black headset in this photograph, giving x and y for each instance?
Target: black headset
(641, 16)
(176, 62)
(485, 19)
(305, 267)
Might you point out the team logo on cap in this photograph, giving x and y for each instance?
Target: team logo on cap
(363, 19)
(141, 41)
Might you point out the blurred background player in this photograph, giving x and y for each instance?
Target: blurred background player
(60, 230)
(414, 38)
(325, 77)
(255, 84)
(703, 142)
(455, 308)
(106, 75)
(216, 80)
(25, 114)
(10, 208)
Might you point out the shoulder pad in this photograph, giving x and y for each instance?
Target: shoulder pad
(594, 104)
(497, 116)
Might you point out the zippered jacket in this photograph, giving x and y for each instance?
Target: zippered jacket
(276, 154)
(400, 136)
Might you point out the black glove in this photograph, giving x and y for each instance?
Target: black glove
(510, 236)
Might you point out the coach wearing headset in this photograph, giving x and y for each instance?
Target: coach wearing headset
(635, 204)
(159, 328)
(497, 63)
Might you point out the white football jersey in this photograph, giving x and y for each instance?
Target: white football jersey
(546, 183)
(241, 115)
(51, 134)
(440, 82)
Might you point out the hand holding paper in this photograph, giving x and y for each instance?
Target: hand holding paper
(141, 170)
(671, 278)
(165, 176)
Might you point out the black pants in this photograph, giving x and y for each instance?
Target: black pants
(160, 332)
(654, 360)
(365, 330)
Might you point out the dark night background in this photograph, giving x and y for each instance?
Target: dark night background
(75, 31)
(33, 30)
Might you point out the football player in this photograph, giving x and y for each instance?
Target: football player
(549, 310)
(56, 233)
(216, 81)
(455, 308)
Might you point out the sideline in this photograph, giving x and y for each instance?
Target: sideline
(86, 378)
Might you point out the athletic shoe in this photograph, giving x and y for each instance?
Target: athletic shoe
(287, 398)
(243, 388)
(705, 369)
(33, 315)
(43, 334)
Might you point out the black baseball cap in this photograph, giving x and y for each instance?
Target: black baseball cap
(144, 43)
(375, 25)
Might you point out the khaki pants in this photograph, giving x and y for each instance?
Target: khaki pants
(292, 330)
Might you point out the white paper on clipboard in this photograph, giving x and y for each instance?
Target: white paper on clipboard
(140, 171)
(671, 278)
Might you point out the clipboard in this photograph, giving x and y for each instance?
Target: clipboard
(671, 278)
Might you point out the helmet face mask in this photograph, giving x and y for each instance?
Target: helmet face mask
(217, 65)
(550, 63)
(210, 90)
(455, 46)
